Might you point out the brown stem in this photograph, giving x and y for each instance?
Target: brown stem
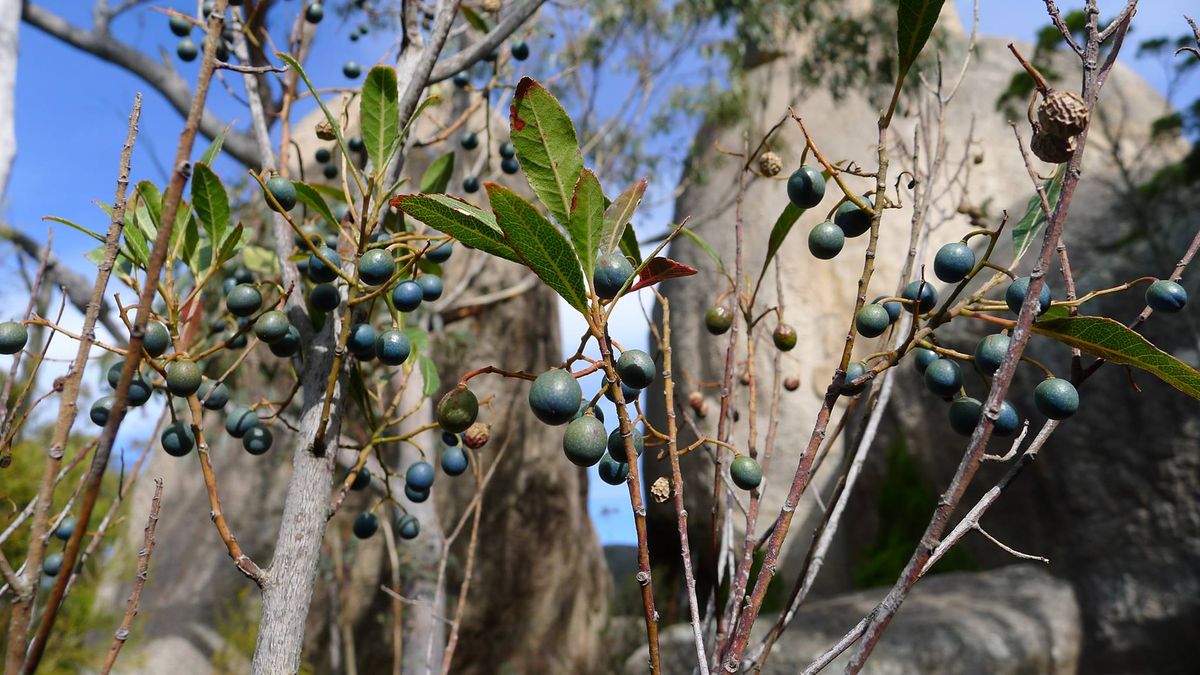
(131, 608)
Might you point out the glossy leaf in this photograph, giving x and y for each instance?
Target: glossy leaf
(465, 222)
(1113, 341)
(211, 203)
(214, 148)
(437, 177)
(379, 114)
(308, 196)
(659, 269)
(477, 22)
(547, 147)
(618, 214)
(703, 244)
(629, 245)
(779, 232)
(230, 247)
(541, 246)
(586, 221)
(1029, 228)
(914, 22)
(431, 382)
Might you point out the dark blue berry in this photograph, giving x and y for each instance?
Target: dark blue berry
(330, 171)
(1166, 296)
(356, 144)
(1018, 289)
(157, 339)
(636, 368)
(52, 565)
(288, 346)
(554, 397)
(362, 341)
(806, 187)
(508, 150)
(257, 441)
(440, 254)
(616, 444)
(462, 78)
(318, 271)
(324, 297)
(240, 420)
(854, 371)
(323, 155)
(180, 26)
(929, 296)
(431, 287)
(392, 347)
(923, 357)
(1008, 420)
(449, 440)
(990, 351)
(964, 415)
(454, 461)
(520, 51)
(1056, 398)
(584, 441)
(271, 326)
(407, 295)
(187, 50)
(408, 526)
(376, 266)
(584, 409)
(416, 495)
(184, 377)
(853, 220)
(612, 271)
(243, 300)
(872, 320)
(893, 308)
(66, 527)
(826, 240)
(510, 165)
(943, 377)
(177, 439)
(314, 13)
(953, 262)
(362, 480)
(470, 184)
(351, 70)
(612, 471)
(469, 140)
(213, 395)
(419, 475)
(366, 524)
(283, 191)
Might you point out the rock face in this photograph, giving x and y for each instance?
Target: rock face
(1113, 503)
(1010, 621)
(539, 594)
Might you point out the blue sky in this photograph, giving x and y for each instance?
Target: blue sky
(72, 111)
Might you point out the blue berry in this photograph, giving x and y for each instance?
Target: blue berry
(449, 440)
(1056, 398)
(408, 526)
(101, 409)
(964, 415)
(52, 565)
(806, 187)
(66, 527)
(416, 495)
(990, 351)
(362, 480)
(314, 13)
(392, 347)
(288, 346)
(431, 287)
(362, 341)
(872, 320)
(366, 524)
(183, 377)
(584, 441)
(520, 51)
(854, 371)
(612, 271)
(351, 70)
(187, 50)
(470, 184)
(376, 266)
(616, 444)
(240, 420)
(324, 298)
(1008, 420)
(892, 307)
(627, 392)
(923, 357)
(554, 397)
(469, 140)
(407, 296)
(177, 439)
(318, 271)
(419, 475)
(510, 165)
(356, 144)
(826, 240)
(943, 377)
(454, 461)
(323, 155)
(1166, 296)
(213, 395)
(180, 26)
(612, 471)
(271, 326)
(157, 339)
(745, 472)
(257, 441)
(283, 191)
(440, 254)
(853, 220)
(953, 262)
(1018, 289)
(929, 296)
(330, 171)
(462, 79)
(508, 150)
(584, 409)
(636, 368)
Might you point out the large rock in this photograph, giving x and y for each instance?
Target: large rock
(1015, 620)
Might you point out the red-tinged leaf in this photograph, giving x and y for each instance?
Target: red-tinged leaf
(660, 269)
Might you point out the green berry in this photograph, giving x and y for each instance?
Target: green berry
(718, 319)
(923, 357)
(853, 220)
(177, 439)
(157, 339)
(458, 409)
(745, 472)
(784, 337)
(240, 420)
(929, 296)
(288, 346)
(376, 266)
(351, 70)
(419, 475)
(101, 410)
(953, 262)
(964, 415)
(407, 296)
(408, 527)
(1018, 289)
(872, 320)
(854, 371)
(612, 271)
(320, 272)
(183, 377)
(454, 461)
(283, 191)
(554, 397)
(990, 351)
(258, 440)
(271, 327)
(612, 471)
(213, 395)
(806, 187)
(636, 368)
(1056, 398)
(826, 240)
(180, 26)
(1166, 296)
(392, 347)
(187, 50)
(13, 337)
(243, 300)
(366, 524)
(324, 297)
(943, 377)
(584, 441)
(616, 444)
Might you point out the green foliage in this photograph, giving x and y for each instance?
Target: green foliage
(437, 176)
(587, 224)
(379, 115)
(903, 508)
(914, 23)
(1029, 228)
(547, 147)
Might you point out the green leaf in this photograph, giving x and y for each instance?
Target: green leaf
(379, 114)
(153, 200)
(547, 147)
(312, 199)
(418, 337)
(230, 247)
(329, 192)
(94, 235)
(914, 22)
(121, 266)
(1030, 227)
(260, 260)
(329, 117)
(477, 22)
(618, 214)
(437, 177)
(211, 203)
(214, 148)
(783, 226)
(465, 222)
(541, 246)
(704, 246)
(629, 245)
(1114, 342)
(586, 222)
(429, 376)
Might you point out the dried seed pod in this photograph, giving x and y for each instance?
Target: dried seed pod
(770, 164)
(1051, 148)
(698, 404)
(660, 490)
(1062, 113)
(476, 436)
(325, 131)
(791, 383)
(490, 6)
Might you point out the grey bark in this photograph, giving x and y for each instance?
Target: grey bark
(10, 22)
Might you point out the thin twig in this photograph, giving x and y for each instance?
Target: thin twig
(131, 607)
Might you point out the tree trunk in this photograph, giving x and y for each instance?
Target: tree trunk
(10, 22)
